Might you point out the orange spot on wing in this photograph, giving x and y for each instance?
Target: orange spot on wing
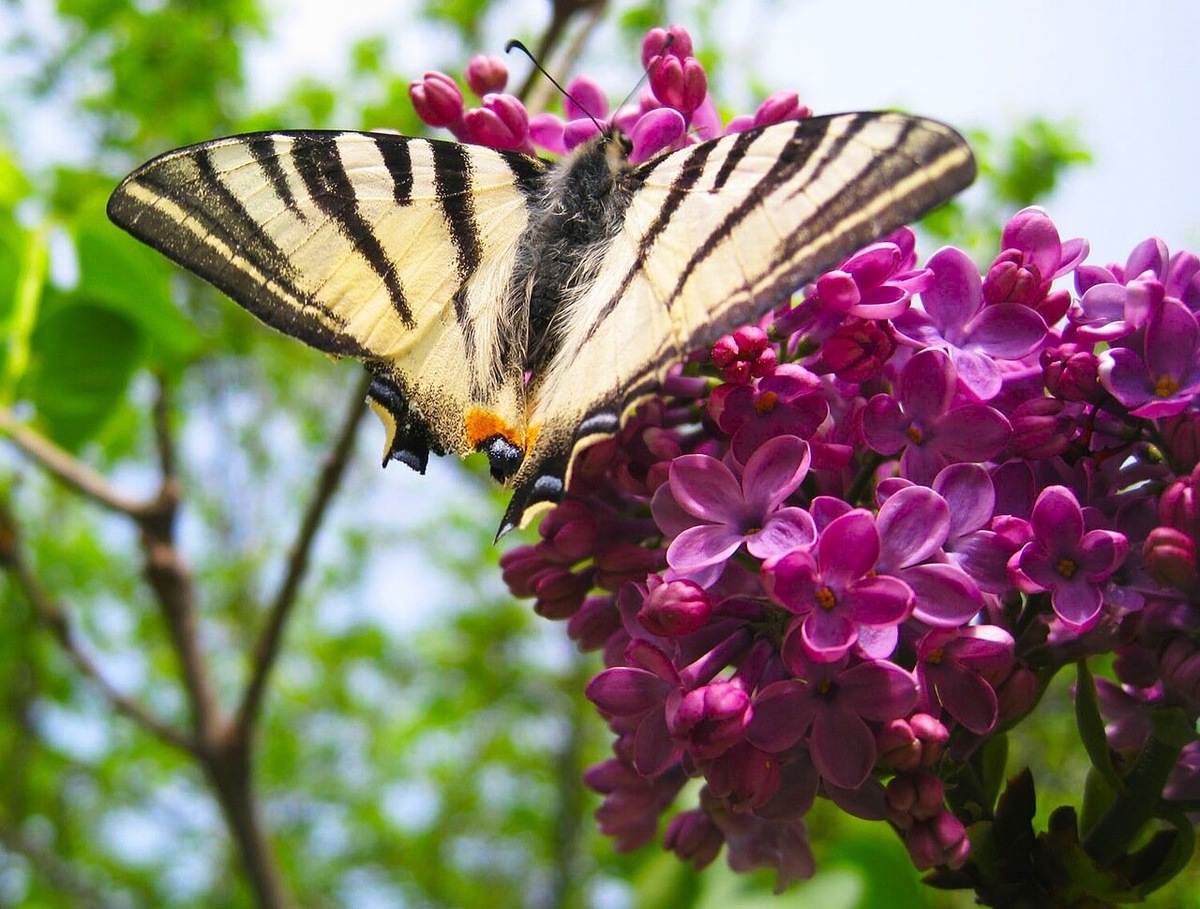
(483, 425)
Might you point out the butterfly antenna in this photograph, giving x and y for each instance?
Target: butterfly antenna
(646, 72)
(514, 44)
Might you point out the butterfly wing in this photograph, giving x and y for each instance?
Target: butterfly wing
(716, 235)
(393, 250)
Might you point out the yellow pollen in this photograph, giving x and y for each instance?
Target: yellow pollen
(915, 434)
(825, 598)
(823, 686)
(1165, 386)
(766, 402)
(935, 658)
(1066, 567)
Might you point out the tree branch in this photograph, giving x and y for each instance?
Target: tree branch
(562, 13)
(65, 879)
(266, 648)
(68, 469)
(54, 617)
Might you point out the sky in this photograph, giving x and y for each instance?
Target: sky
(1124, 73)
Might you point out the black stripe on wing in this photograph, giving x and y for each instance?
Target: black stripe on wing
(197, 222)
(319, 163)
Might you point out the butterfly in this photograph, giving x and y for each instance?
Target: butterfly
(521, 308)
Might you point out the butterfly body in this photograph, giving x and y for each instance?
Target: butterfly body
(518, 308)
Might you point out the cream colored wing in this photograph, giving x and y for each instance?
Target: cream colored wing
(393, 250)
(716, 235)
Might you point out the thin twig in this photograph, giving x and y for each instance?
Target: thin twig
(562, 13)
(68, 469)
(54, 617)
(266, 649)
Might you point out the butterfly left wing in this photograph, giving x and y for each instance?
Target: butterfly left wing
(714, 236)
(393, 250)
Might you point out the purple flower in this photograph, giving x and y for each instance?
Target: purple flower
(502, 122)
(487, 74)
(831, 703)
(1065, 559)
(955, 318)
(1166, 381)
(638, 697)
(709, 719)
(1032, 258)
(674, 608)
(834, 590)
(710, 513)
(437, 100)
(954, 667)
(922, 422)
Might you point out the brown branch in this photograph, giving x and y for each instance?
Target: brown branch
(266, 648)
(54, 617)
(561, 14)
(66, 468)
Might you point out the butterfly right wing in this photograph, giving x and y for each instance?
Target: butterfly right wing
(393, 250)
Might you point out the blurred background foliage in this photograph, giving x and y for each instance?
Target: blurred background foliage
(423, 736)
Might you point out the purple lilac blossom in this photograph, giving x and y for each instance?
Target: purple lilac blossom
(851, 542)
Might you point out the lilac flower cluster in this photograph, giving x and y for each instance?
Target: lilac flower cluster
(854, 541)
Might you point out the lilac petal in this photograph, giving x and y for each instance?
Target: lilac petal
(978, 372)
(877, 642)
(966, 697)
(969, 495)
(878, 690)
(956, 292)
(780, 716)
(791, 581)
(774, 472)
(585, 99)
(927, 384)
(703, 545)
(826, 637)
(1007, 330)
(848, 548)
(546, 131)
(1101, 553)
(787, 529)
(706, 488)
(1149, 255)
(1033, 233)
(879, 600)
(1125, 377)
(944, 595)
(884, 425)
(842, 747)
(576, 132)
(655, 131)
(653, 748)
(1171, 341)
(1057, 520)
(912, 524)
(670, 518)
(973, 432)
(627, 692)
(1078, 604)
(985, 649)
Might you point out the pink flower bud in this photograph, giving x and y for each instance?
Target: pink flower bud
(585, 100)
(594, 623)
(501, 123)
(1042, 428)
(1071, 373)
(678, 82)
(1170, 558)
(858, 350)
(694, 837)
(655, 131)
(710, 718)
(437, 100)
(898, 745)
(487, 74)
(779, 108)
(675, 608)
(559, 593)
(656, 41)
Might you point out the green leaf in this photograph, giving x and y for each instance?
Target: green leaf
(1091, 726)
(28, 282)
(84, 358)
(132, 280)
